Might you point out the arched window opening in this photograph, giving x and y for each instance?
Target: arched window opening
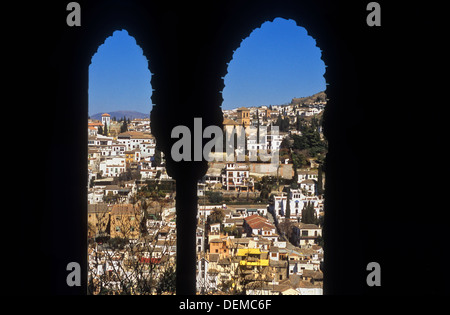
(119, 79)
(131, 201)
(258, 216)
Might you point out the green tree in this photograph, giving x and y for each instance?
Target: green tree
(216, 216)
(257, 126)
(279, 122)
(300, 142)
(167, 282)
(124, 127)
(299, 122)
(309, 214)
(245, 140)
(282, 123)
(288, 205)
(233, 231)
(214, 196)
(320, 181)
(265, 187)
(285, 144)
(298, 160)
(264, 194)
(157, 158)
(310, 141)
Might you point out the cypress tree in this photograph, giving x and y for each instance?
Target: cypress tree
(308, 214)
(257, 126)
(235, 138)
(298, 123)
(320, 181)
(305, 213)
(245, 140)
(124, 127)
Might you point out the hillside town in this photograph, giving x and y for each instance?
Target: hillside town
(259, 225)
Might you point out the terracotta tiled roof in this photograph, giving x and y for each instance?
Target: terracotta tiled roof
(227, 121)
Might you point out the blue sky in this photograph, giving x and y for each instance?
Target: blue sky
(276, 63)
(119, 78)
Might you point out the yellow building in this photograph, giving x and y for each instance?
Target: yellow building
(253, 257)
(125, 221)
(253, 269)
(243, 116)
(98, 219)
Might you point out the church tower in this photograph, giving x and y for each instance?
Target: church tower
(106, 119)
(243, 116)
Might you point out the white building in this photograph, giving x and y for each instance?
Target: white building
(100, 140)
(134, 140)
(206, 280)
(92, 131)
(95, 196)
(304, 234)
(106, 119)
(141, 124)
(112, 167)
(274, 140)
(308, 111)
(297, 202)
(147, 149)
(304, 174)
(148, 173)
(257, 225)
(106, 145)
(236, 177)
(200, 240)
(309, 186)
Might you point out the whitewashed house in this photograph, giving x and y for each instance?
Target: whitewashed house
(206, 278)
(309, 186)
(304, 174)
(112, 167)
(237, 177)
(304, 234)
(297, 202)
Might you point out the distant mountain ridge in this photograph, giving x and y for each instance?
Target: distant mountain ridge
(121, 113)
